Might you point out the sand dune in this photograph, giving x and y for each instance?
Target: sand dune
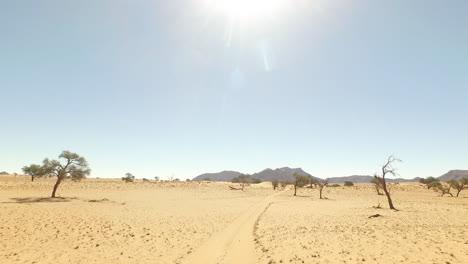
(108, 221)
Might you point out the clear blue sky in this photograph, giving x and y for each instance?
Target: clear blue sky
(173, 87)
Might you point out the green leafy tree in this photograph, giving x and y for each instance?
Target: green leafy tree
(299, 182)
(68, 166)
(430, 182)
(128, 177)
(33, 170)
(442, 188)
(242, 179)
(387, 169)
(459, 185)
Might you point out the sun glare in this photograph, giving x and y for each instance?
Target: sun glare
(251, 9)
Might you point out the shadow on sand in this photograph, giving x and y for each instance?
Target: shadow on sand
(41, 200)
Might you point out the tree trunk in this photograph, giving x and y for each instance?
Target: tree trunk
(321, 188)
(32, 178)
(295, 188)
(390, 202)
(56, 186)
(458, 192)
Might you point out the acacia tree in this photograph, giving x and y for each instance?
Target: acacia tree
(430, 182)
(459, 186)
(443, 188)
(321, 185)
(377, 185)
(299, 181)
(242, 179)
(70, 166)
(387, 169)
(128, 177)
(275, 184)
(33, 170)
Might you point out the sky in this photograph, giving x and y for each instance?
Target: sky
(183, 87)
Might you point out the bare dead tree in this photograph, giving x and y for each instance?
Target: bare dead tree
(387, 169)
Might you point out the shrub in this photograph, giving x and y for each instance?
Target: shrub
(256, 180)
(348, 183)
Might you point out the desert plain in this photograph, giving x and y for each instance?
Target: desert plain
(110, 221)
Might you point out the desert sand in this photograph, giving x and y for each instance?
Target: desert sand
(109, 221)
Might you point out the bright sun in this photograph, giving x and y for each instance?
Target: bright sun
(249, 9)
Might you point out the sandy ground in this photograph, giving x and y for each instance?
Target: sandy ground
(108, 221)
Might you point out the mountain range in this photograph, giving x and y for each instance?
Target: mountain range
(287, 174)
(4, 173)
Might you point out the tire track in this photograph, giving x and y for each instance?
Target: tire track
(234, 244)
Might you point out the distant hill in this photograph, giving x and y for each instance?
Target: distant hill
(366, 179)
(280, 174)
(225, 176)
(353, 178)
(403, 180)
(454, 175)
(287, 174)
(4, 173)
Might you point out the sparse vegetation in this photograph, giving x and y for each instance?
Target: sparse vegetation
(128, 177)
(430, 182)
(377, 186)
(256, 181)
(458, 185)
(33, 170)
(348, 183)
(145, 180)
(334, 185)
(275, 184)
(207, 179)
(442, 188)
(284, 184)
(321, 185)
(156, 178)
(387, 169)
(242, 179)
(299, 182)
